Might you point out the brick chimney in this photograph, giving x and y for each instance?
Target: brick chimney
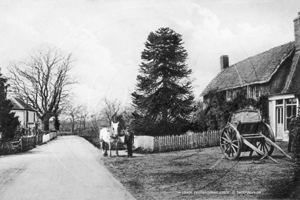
(297, 32)
(224, 61)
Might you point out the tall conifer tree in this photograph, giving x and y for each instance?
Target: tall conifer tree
(8, 121)
(163, 97)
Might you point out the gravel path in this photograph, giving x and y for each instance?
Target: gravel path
(68, 167)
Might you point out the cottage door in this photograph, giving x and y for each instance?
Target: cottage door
(279, 122)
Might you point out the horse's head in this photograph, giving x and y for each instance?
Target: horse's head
(114, 127)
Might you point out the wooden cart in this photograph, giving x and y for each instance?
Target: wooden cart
(246, 132)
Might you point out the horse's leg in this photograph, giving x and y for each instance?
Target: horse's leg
(106, 148)
(109, 144)
(103, 148)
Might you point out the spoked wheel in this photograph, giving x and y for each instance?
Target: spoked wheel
(230, 142)
(263, 145)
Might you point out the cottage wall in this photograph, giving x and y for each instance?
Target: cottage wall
(32, 118)
(21, 116)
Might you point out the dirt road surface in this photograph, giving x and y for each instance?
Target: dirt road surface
(68, 167)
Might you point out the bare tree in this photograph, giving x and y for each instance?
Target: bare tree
(110, 110)
(127, 114)
(43, 81)
(74, 113)
(83, 115)
(95, 122)
(77, 116)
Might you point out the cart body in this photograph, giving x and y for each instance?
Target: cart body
(244, 132)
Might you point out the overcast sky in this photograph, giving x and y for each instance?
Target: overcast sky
(106, 38)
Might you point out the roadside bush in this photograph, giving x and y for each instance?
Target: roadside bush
(20, 131)
(89, 133)
(197, 122)
(7, 148)
(295, 134)
(296, 151)
(8, 121)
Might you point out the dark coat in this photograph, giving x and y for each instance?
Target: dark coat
(129, 139)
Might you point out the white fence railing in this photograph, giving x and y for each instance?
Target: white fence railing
(49, 136)
(146, 142)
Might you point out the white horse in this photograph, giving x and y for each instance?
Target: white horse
(108, 136)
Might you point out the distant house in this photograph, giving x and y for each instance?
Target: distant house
(275, 73)
(27, 115)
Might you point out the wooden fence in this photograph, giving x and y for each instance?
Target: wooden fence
(187, 141)
(178, 142)
(26, 143)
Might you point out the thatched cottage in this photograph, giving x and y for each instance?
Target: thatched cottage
(275, 73)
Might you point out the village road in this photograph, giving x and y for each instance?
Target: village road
(68, 167)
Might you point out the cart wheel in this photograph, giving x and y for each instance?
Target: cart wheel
(263, 145)
(230, 142)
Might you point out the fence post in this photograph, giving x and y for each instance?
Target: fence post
(21, 144)
(158, 142)
(216, 138)
(209, 139)
(173, 142)
(153, 147)
(213, 139)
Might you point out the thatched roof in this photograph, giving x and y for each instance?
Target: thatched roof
(293, 81)
(254, 70)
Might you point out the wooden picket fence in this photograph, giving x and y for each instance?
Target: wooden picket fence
(27, 143)
(187, 141)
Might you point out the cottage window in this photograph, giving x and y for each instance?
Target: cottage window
(279, 102)
(234, 94)
(228, 95)
(30, 117)
(253, 92)
(257, 92)
(291, 101)
(250, 95)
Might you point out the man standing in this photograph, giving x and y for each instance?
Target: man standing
(129, 140)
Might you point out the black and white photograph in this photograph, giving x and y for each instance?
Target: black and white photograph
(149, 99)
